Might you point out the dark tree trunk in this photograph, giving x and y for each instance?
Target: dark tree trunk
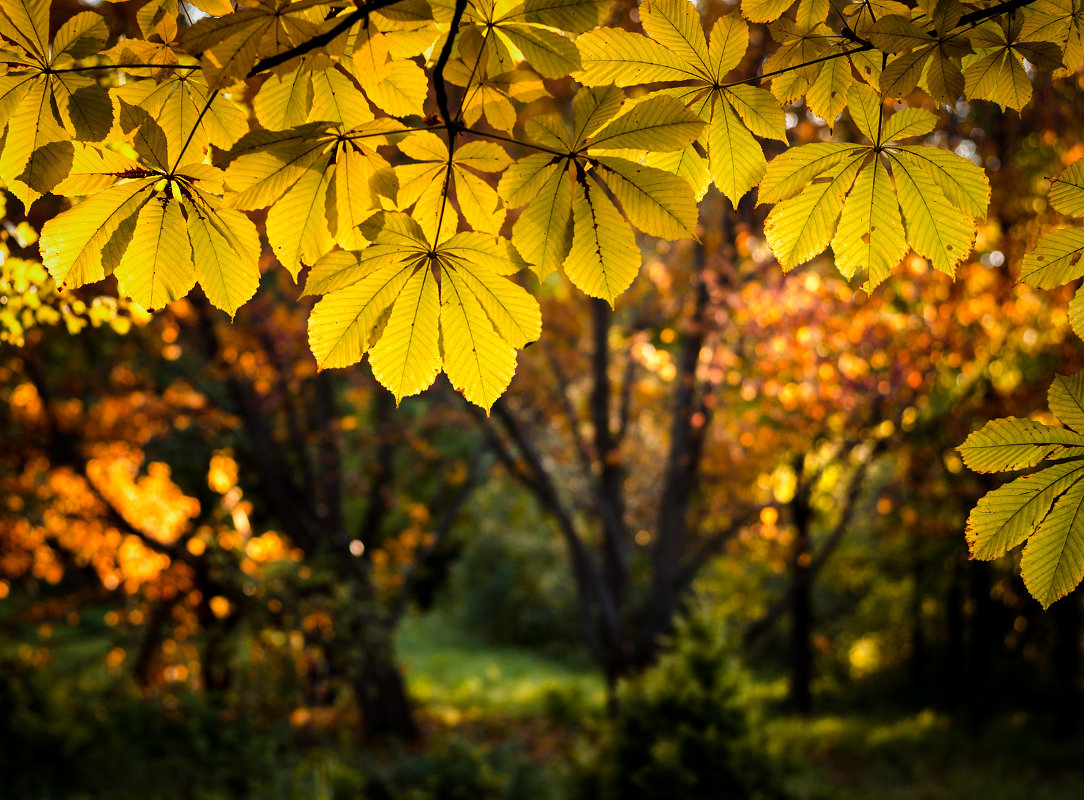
(952, 682)
(386, 710)
(981, 644)
(801, 609)
(917, 665)
(1067, 700)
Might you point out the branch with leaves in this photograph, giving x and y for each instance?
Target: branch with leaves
(419, 246)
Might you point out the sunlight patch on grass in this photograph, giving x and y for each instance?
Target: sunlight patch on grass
(447, 670)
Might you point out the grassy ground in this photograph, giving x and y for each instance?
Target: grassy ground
(496, 710)
(455, 675)
(492, 692)
(926, 757)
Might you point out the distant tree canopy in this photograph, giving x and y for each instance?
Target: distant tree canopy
(410, 160)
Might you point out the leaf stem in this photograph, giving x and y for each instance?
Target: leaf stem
(971, 19)
(212, 95)
(347, 22)
(90, 67)
(510, 140)
(451, 124)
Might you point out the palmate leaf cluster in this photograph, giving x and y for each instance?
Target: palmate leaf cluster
(418, 166)
(350, 133)
(1044, 508)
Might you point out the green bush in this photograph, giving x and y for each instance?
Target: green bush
(63, 738)
(683, 729)
(512, 585)
(454, 768)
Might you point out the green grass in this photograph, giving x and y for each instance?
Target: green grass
(853, 756)
(925, 756)
(452, 673)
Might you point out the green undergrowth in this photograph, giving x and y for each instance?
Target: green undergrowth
(454, 674)
(478, 689)
(926, 756)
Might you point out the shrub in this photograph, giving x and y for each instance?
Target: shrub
(511, 585)
(454, 768)
(683, 729)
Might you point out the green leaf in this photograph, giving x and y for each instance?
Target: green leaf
(604, 258)
(935, 227)
(870, 235)
(1067, 190)
(1066, 400)
(1053, 561)
(1008, 515)
(793, 170)
(675, 24)
(727, 46)
(657, 202)
(343, 324)
(659, 123)
(157, 266)
(75, 244)
(764, 10)
(622, 58)
(543, 232)
(226, 252)
(478, 362)
(1055, 259)
(1011, 443)
(964, 183)
(406, 359)
(801, 227)
(1076, 313)
(735, 158)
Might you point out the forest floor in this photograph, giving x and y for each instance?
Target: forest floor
(553, 710)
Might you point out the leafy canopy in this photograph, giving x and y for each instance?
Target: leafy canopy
(414, 161)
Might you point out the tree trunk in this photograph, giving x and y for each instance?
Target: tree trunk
(801, 608)
(917, 666)
(386, 709)
(1067, 701)
(952, 682)
(981, 645)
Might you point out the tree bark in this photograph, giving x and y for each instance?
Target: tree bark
(1067, 700)
(800, 694)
